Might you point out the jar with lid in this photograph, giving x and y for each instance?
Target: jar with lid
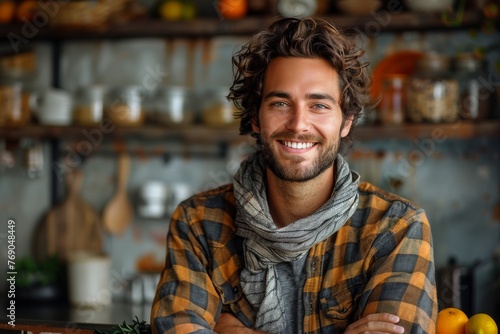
(393, 103)
(123, 106)
(174, 106)
(89, 105)
(474, 97)
(433, 91)
(14, 101)
(218, 110)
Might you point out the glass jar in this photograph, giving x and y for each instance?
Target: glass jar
(393, 103)
(174, 106)
(89, 105)
(218, 110)
(123, 106)
(14, 101)
(433, 91)
(474, 98)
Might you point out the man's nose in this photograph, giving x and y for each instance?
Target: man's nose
(298, 120)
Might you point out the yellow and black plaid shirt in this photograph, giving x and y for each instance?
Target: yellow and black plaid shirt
(381, 260)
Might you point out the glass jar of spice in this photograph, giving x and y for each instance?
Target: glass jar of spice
(124, 107)
(174, 106)
(393, 103)
(89, 105)
(218, 110)
(474, 97)
(14, 101)
(433, 91)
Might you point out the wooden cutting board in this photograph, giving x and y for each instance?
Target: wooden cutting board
(72, 225)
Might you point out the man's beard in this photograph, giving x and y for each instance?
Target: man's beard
(323, 160)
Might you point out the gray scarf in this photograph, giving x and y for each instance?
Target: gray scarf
(266, 245)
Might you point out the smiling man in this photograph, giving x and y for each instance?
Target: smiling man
(298, 244)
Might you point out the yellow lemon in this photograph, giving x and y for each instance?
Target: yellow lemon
(451, 321)
(171, 10)
(481, 323)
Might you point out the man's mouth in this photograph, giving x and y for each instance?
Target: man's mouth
(297, 145)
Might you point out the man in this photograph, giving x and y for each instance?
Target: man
(297, 244)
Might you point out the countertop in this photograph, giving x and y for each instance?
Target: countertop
(62, 313)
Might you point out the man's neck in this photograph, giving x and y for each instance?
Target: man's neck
(291, 201)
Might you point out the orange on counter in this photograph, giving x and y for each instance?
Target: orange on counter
(232, 9)
(451, 321)
(481, 323)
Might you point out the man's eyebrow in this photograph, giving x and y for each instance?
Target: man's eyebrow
(309, 96)
(276, 93)
(320, 96)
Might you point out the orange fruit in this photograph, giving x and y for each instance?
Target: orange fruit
(481, 323)
(7, 9)
(232, 9)
(26, 9)
(171, 10)
(451, 320)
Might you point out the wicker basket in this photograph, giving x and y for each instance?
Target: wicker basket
(93, 14)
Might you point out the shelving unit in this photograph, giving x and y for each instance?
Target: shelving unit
(209, 27)
(371, 25)
(203, 134)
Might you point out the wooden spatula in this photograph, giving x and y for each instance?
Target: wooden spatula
(119, 213)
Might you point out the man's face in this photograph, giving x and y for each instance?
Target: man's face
(300, 120)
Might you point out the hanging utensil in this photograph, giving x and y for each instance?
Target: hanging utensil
(73, 225)
(118, 213)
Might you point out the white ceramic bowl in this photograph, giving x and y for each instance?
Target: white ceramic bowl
(428, 6)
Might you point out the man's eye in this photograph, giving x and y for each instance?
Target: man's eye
(320, 106)
(278, 104)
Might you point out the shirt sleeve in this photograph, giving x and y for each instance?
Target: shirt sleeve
(402, 274)
(186, 301)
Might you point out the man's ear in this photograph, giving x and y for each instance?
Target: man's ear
(346, 127)
(255, 125)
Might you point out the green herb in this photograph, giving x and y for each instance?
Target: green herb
(30, 272)
(137, 327)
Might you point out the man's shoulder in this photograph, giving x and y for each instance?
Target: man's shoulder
(380, 210)
(210, 213)
(377, 198)
(222, 193)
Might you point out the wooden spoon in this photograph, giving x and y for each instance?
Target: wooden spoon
(118, 213)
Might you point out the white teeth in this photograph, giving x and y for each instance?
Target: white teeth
(296, 145)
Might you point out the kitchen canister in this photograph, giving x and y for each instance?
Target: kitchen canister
(89, 279)
(432, 94)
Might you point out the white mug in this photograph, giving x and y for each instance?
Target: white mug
(52, 106)
(89, 279)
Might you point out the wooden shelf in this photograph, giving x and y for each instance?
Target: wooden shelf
(198, 133)
(189, 134)
(439, 131)
(208, 27)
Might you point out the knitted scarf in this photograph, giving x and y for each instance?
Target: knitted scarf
(266, 245)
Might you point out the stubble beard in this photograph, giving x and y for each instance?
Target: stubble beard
(324, 159)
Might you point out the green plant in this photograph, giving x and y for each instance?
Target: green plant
(137, 327)
(30, 272)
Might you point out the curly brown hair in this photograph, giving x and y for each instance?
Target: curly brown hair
(310, 37)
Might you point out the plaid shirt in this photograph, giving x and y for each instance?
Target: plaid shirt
(381, 260)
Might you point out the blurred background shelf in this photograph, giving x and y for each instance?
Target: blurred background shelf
(208, 27)
(199, 133)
